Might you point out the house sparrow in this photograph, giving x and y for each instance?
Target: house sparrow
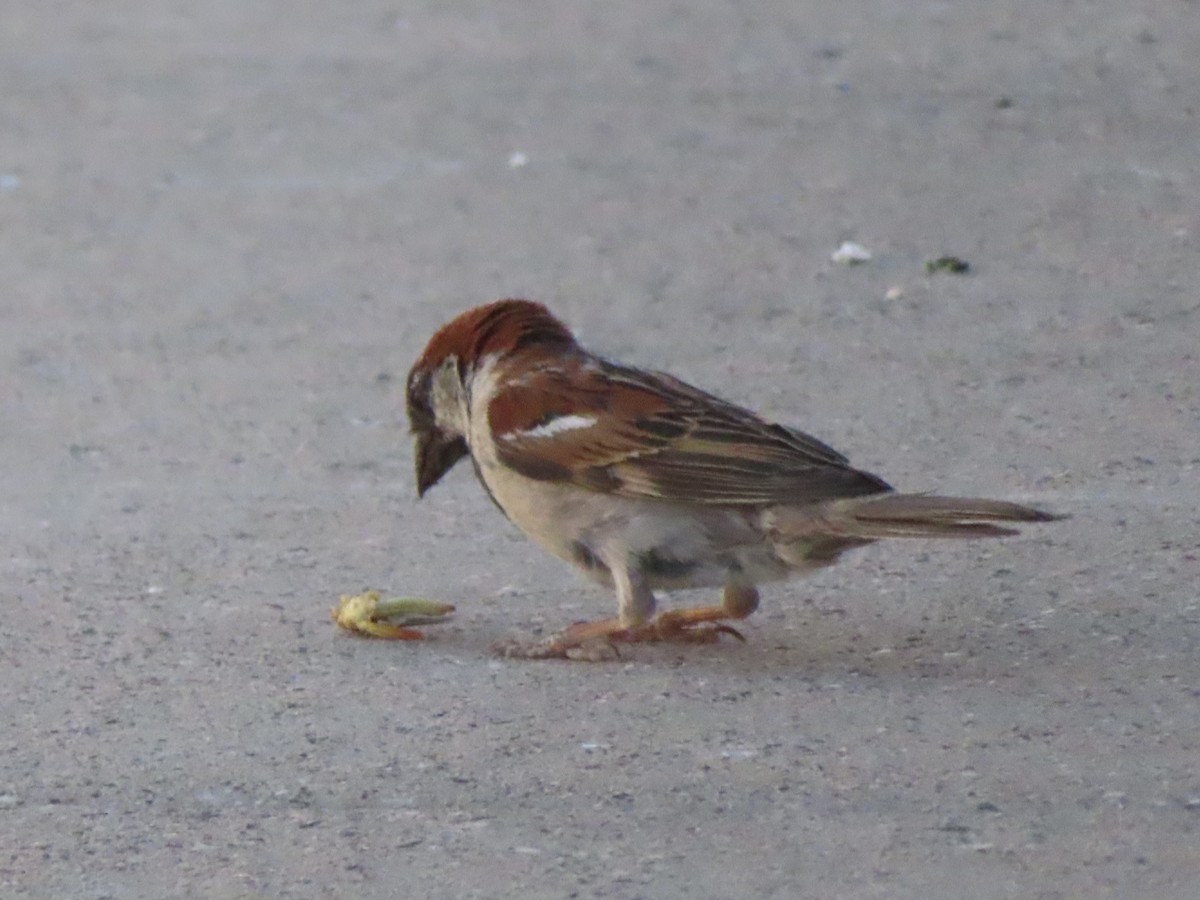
(647, 483)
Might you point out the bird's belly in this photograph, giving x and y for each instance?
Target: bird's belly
(670, 546)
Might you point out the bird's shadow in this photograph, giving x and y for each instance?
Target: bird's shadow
(805, 640)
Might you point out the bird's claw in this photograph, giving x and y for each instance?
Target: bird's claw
(667, 628)
(598, 642)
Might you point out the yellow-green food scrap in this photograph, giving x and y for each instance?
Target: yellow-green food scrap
(370, 614)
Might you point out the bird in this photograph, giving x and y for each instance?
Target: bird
(646, 483)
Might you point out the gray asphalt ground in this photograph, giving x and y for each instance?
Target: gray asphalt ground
(227, 229)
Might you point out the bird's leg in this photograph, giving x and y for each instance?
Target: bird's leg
(699, 624)
(593, 640)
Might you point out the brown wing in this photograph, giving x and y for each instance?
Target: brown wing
(644, 434)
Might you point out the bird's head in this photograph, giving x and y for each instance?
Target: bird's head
(441, 381)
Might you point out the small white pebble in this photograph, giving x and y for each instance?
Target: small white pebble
(851, 254)
(894, 293)
(739, 753)
(517, 160)
(9, 181)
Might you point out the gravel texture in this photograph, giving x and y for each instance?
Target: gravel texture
(226, 230)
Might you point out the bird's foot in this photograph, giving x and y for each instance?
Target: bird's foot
(370, 615)
(703, 625)
(597, 641)
(583, 641)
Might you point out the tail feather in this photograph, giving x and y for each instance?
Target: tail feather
(928, 515)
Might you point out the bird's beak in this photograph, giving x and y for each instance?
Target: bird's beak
(436, 454)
